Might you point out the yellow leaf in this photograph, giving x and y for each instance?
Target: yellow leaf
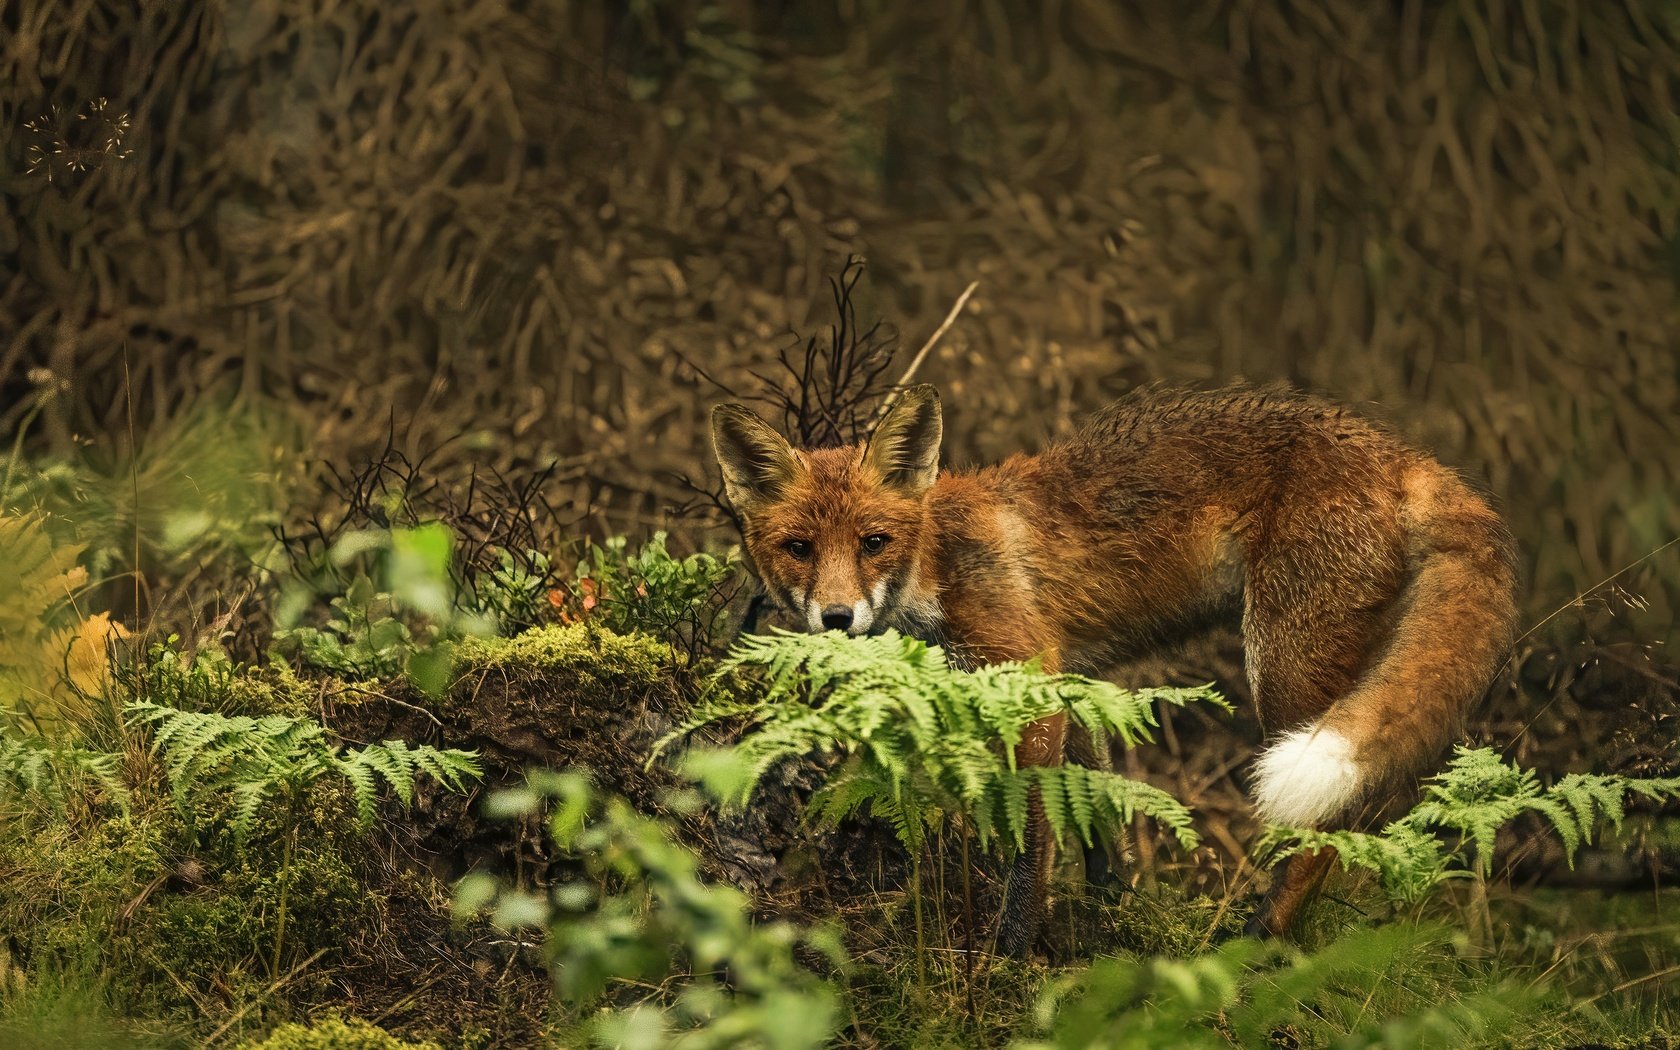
(87, 664)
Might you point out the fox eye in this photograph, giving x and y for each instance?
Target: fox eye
(873, 542)
(800, 549)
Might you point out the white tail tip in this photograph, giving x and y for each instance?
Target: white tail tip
(1306, 778)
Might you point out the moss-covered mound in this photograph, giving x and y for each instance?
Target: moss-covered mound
(200, 933)
(583, 697)
(552, 698)
(570, 696)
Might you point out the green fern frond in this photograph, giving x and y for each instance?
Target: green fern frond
(391, 763)
(251, 759)
(1015, 794)
(847, 791)
(1451, 832)
(924, 740)
(31, 766)
(364, 786)
(1409, 861)
(399, 765)
(1052, 795)
(248, 797)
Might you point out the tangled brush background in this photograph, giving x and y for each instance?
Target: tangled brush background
(512, 222)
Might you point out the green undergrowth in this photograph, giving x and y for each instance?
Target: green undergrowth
(1565, 970)
(177, 932)
(209, 680)
(75, 1011)
(193, 913)
(149, 893)
(170, 914)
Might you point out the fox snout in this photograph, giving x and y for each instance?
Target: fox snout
(826, 614)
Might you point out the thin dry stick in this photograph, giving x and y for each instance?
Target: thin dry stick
(1225, 902)
(1571, 603)
(1625, 985)
(968, 930)
(921, 355)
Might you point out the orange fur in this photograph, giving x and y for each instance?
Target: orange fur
(1375, 590)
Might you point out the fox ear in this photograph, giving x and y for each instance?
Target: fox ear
(757, 463)
(905, 444)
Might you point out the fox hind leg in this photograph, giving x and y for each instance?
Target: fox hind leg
(1029, 878)
(1308, 636)
(1295, 883)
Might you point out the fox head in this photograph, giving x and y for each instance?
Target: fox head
(835, 534)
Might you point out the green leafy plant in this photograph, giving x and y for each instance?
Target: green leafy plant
(206, 754)
(650, 590)
(333, 1033)
(515, 592)
(364, 636)
(400, 605)
(921, 740)
(641, 916)
(1450, 833)
(250, 760)
(1250, 993)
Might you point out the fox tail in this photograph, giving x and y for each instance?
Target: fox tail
(1453, 627)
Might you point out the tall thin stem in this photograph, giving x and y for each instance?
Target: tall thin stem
(916, 903)
(968, 929)
(285, 890)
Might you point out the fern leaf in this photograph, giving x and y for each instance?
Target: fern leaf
(1082, 806)
(1050, 783)
(930, 740)
(363, 785)
(206, 753)
(248, 799)
(1015, 794)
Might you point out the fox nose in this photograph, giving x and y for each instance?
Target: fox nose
(837, 617)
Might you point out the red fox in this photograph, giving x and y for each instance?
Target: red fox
(1375, 590)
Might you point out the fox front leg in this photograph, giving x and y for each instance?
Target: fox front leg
(1029, 879)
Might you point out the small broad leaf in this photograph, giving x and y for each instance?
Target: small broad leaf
(431, 670)
(419, 570)
(473, 894)
(515, 909)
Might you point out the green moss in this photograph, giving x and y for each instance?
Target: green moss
(175, 922)
(63, 883)
(210, 680)
(72, 1011)
(174, 931)
(1165, 920)
(334, 1034)
(577, 648)
(272, 690)
(221, 932)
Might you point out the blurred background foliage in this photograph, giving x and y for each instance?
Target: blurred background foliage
(501, 234)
